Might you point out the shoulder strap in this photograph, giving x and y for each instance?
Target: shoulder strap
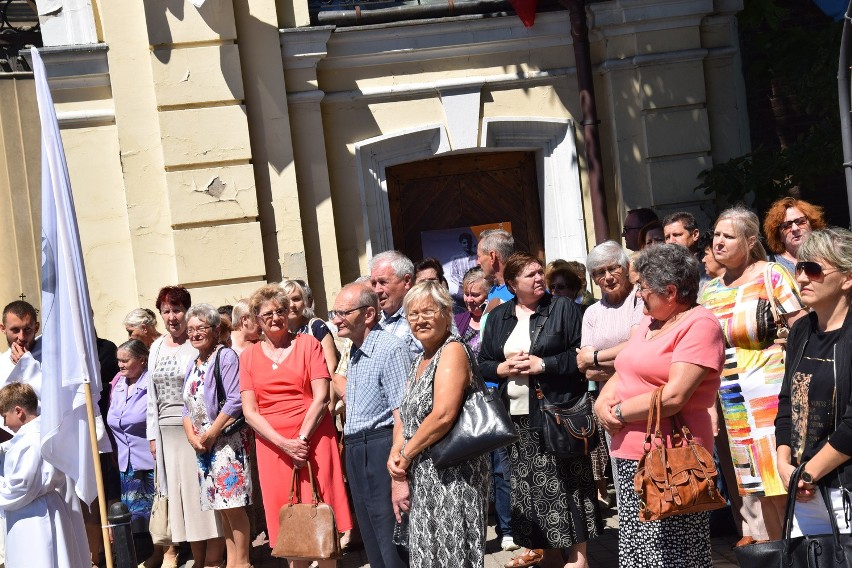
(217, 375)
(770, 291)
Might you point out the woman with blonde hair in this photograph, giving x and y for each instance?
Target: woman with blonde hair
(301, 319)
(285, 384)
(742, 300)
(814, 425)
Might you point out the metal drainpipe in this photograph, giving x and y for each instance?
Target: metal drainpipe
(843, 95)
(585, 82)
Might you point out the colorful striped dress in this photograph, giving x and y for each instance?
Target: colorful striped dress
(751, 380)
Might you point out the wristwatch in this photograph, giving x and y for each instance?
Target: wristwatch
(542, 364)
(806, 477)
(303, 438)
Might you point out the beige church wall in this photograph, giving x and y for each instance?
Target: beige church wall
(666, 78)
(20, 191)
(103, 223)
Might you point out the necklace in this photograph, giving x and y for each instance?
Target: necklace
(276, 360)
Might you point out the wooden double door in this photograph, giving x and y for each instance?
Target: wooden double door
(465, 190)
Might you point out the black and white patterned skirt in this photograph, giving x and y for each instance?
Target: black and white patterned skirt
(681, 541)
(554, 500)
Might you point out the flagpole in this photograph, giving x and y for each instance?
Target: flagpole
(99, 480)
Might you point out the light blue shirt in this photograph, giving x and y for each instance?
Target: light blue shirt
(375, 381)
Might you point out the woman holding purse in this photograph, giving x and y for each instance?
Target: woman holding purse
(814, 422)
(678, 345)
(531, 341)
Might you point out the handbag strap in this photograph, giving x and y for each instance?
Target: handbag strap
(770, 293)
(652, 407)
(217, 375)
(296, 489)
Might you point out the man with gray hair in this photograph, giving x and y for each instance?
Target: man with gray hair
(494, 248)
(392, 276)
(373, 387)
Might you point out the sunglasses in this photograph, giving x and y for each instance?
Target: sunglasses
(787, 225)
(813, 270)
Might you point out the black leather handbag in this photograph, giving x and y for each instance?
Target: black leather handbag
(568, 430)
(808, 551)
(237, 424)
(483, 424)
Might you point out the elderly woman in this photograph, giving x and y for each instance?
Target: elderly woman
(141, 324)
(814, 424)
(677, 345)
(284, 383)
(561, 279)
(475, 293)
(448, 506)
(301, 319)
(752, 377)
(176, 461)
(530, 342)
(607, 326)
(224, 463)
(469, 325)
(245, 331)
(786, 225)
(126, 420)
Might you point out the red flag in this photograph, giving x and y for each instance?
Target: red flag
(525, 9)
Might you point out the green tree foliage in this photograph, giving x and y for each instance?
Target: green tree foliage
(795, 65)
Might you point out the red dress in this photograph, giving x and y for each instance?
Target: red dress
(283, 397)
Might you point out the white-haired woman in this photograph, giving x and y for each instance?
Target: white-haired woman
(224, 462)
(245, 331)
(448, 506)
(141, 324)
(814, 423)
(607, 326)
(301, 319)
(752, 377)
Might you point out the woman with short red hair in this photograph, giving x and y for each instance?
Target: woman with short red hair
(788, 221)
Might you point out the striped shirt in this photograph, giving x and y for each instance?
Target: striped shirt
(375, 381)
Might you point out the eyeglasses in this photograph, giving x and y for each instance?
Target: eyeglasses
(427, 315)
(200, 330)
(615, 270)
(642, 291)
(625, 228)
(267, 316)
(787, 225)
(813, 270)
(335, 314)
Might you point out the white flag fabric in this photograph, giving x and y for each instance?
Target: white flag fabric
(69, 352)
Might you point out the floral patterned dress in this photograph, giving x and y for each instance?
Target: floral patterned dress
(224, 472)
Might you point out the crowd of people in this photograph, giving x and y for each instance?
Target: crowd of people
(222, 410)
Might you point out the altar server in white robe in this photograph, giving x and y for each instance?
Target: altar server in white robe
(42, 530)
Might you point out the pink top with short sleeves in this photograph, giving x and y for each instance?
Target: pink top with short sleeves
(644, 365)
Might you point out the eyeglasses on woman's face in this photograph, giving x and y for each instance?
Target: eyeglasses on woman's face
(427, 315)
(267, 316)
(801, 222)
(200, 330)
(614, 270)
(813, 270)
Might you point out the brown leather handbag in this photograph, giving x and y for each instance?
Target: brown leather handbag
(676, 480)
(306, 531)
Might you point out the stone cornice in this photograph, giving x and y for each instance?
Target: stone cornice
(75, 66)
